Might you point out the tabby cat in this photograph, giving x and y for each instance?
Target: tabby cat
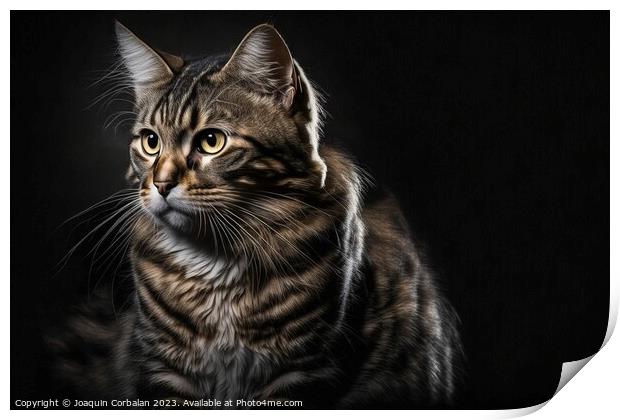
(264, 269)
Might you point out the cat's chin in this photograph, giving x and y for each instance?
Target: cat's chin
(175, 220)
(167, 213)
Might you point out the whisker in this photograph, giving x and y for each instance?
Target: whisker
(61, 264)
(118, 195)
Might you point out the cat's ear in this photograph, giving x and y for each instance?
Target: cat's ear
(263, 59)
(147, 67)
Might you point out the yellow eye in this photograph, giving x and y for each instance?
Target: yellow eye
(150, 142)
(210, 141)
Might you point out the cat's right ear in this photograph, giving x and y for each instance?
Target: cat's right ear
(147, 67)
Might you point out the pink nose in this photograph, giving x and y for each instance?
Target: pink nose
(164, 187)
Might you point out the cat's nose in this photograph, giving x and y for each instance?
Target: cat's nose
(164, 187)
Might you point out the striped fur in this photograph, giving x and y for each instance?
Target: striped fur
(267, 271)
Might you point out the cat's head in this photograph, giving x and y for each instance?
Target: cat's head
(223, 135)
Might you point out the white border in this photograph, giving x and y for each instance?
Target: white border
(593, 394)
(311, 5)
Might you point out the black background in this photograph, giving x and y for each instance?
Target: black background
(491, 128)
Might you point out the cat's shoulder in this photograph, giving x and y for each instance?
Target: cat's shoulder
(383, 215)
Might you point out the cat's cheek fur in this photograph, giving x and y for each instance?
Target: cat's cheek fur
(154, 202)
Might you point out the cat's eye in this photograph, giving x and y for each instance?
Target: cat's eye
(210, 141)
(150, 142)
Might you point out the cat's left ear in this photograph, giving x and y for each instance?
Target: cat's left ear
(263, 59)
(147, 67)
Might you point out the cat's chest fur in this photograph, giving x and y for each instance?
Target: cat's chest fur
(206, 287)
(204, 290)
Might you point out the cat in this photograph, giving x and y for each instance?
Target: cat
(265, 266)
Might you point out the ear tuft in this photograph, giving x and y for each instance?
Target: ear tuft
(146, 66)
(263, 59)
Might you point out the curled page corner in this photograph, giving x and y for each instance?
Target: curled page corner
(570, 369)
